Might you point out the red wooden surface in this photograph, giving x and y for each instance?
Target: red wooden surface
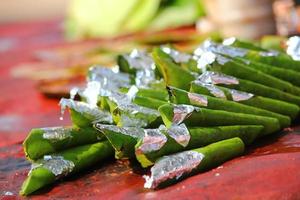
(269, 169)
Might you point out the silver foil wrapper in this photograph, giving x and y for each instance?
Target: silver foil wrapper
(229, 41)
(101, 81)
(144, 65)
(209, 46)
(108, 78)
(178, 57)
(269, 53)
(92, 92)
(132, 114)
(214, 90)
(92, 113)
(179, 133)
(293, 47)
(153, 140)
(73, 92)
(144, 78)
(197, 99)
(182, 112)
(217, 78)
(129, 131)
(133, 90)
(139, 60)
(120, 98)
(59, 166)
(173, 167)
(240, 96)
(56, 133)
(205, 59)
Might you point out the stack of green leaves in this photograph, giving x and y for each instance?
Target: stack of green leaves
(179, 112)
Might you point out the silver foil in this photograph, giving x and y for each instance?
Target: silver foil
(101, 81)
(130, 131)
(293, 47)
(180, 134)
(239, 95)
(144, 78)
(144, 66)
(56, 133)
(214, 90)
(271, 53)
(139, 59)
(197, 99)
(182, 112)
(133, 90)
(173, 167)
(153, 140)
(222, 60)
(120, 98)
(229, 41)
(217, 78)
(92, 92)
(92, 113)
(73, 92)
(108, 78)
(207, 58)
(132, 114)
(59, 166)
(178, 57)
(209, 46)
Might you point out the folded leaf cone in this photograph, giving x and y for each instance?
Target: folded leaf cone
(199, 136)
(179, 96)
(243, 71)
(43, 141)
(256, 89)
(170, 169)
(195, 117)
(173, 74)
(55, 166)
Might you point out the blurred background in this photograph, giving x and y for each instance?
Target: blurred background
(106, 18)
(30, 10)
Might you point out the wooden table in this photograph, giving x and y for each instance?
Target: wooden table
(269, 169)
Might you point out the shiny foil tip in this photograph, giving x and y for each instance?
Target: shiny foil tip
(59, 166)
(178, 57)
(134, 115)
(182, 112)
(172, 167)
(92, 113)
(107, 78)
(153, 140)
(144, 65)
(214, 90)
(210, 46)
(56, 133)
(239, 95)
(180, 134)
(134, 132)
(197, 99)
(269, 53)
(229, 41)
(217, 78)
(293, 47)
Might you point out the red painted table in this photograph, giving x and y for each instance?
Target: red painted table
(269, 169)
